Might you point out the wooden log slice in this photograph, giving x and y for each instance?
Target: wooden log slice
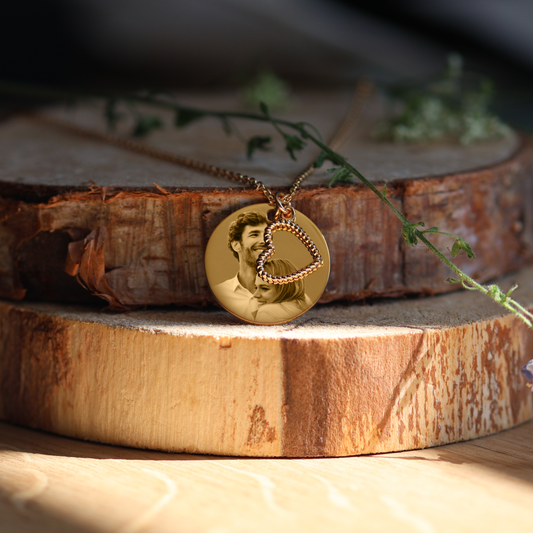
(56, 188)
(341, 380)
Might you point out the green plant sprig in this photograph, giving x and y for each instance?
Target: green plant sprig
(302, 134)
(454, 104)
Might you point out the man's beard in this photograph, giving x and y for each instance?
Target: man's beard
(250, 255)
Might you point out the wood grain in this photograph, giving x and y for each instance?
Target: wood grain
(341, 380)
(153, 252)
(50, 484)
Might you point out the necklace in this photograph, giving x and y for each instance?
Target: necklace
(241, 271)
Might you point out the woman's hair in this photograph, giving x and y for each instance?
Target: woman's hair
(289, 291)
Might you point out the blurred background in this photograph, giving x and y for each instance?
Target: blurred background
(175, 44)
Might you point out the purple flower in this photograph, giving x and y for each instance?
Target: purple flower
(527, 370)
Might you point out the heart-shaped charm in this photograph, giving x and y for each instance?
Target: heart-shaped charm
(296, 230)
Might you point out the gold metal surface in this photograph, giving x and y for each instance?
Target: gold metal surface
(231, 266)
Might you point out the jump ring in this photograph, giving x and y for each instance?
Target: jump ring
(279, 200)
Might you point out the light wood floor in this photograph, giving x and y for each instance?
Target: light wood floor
(55, 484)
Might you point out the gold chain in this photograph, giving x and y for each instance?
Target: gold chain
(362, 92)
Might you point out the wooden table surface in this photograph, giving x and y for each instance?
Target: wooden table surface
(55, 484)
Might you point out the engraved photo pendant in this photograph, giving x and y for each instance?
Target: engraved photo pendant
(294, 264)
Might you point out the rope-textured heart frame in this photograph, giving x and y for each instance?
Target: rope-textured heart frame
(296, 230)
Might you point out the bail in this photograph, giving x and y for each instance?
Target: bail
(284, 212)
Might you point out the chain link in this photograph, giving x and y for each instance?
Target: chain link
(362, 92)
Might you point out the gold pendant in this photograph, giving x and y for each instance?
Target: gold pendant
(261, 281)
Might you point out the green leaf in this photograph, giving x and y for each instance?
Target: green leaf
(226, 126)
(293, 144)
(319, 161)
(469, 252)
(408, 232)
(111, 114)
(431, 230)
(185, 116)
(339, 174)
(264, 109)
(258, 143)
(146, 124)
(304, 133)
(462, 246)
(511, 290)
(452, 280)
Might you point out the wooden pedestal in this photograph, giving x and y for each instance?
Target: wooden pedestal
(340, 380)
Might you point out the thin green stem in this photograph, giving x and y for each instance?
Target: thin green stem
(440, 233)
(508, 302)
(520, 308)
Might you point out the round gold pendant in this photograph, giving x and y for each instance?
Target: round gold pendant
(294, 265)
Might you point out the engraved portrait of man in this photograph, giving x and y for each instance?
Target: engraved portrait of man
(245, 240)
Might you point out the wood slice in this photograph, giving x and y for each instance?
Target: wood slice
(57, 187)
(341, 380)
